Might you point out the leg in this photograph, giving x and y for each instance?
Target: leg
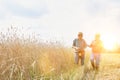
(92, 60)
(97, 61)
(82, 58)
(76, 58)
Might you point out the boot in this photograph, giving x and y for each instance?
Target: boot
(93, 65)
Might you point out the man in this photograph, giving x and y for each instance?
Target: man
(97, 47)
(79, 45)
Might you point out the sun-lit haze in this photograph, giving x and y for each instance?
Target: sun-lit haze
(62, 19)
(36, 39)
(109, 41)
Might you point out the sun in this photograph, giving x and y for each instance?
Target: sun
(109, 42)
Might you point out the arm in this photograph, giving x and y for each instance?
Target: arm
(74, 45)
(85, 44)
(91, 45)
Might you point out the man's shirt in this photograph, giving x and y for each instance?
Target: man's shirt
(81, 44)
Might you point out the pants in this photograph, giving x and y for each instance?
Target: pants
(95, 59)
(79, 56)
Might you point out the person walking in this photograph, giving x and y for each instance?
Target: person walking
(97, 48)
(79, 45)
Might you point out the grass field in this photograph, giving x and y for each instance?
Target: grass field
(109, 69)
(29, 59)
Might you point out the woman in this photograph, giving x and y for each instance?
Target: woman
(97, 48)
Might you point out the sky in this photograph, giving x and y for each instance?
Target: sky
(61, 20)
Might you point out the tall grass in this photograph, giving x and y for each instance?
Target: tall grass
(29, 58)
(24, 58)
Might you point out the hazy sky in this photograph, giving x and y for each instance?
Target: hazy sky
(63, 19)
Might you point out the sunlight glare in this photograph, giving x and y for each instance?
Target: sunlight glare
(109, 42)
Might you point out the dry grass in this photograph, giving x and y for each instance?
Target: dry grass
(29, 59)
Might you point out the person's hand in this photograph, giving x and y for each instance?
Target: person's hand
(76, 48)
(88, 45)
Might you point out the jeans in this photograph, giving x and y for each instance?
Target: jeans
(79, 56)
(95, 59)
